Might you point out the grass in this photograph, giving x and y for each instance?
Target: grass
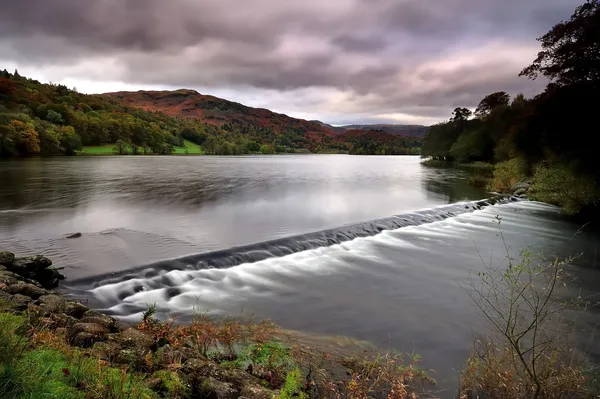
(191, 148)
(105, 149)
(109, 149)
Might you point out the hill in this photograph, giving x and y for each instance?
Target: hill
(402, 130)
(48, 119)
(216, 111)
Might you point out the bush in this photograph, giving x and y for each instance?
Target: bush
(507, 174)
(528, 354)
(559, 185)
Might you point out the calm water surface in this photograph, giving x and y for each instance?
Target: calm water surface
(398, 288)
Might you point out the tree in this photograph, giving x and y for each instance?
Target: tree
(571, 49)
(28, 139)
(54, 117)
(8, 141)
(70, 142)
(461, 115)
(491, 102)
(121, 147)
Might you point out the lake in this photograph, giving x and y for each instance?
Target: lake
(374, 248)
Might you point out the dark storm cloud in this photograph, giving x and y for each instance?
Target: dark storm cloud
(412, 57)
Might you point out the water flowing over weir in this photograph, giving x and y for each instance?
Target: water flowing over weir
(163, 275)
(395, 282)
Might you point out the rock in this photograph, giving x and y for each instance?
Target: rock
(134, 357)
(51, 303)
(49, 278)
(133, 338)
(73, 235)
(9, 278)
(520, 191)
(86, 334)
(107, 350)
(19, 302)
(256, 392)
(200, 368)
(215, 389)
(40, 261)
(84, 340)
(75, 309)
(6, 258)
(92, 316)
(26, 289)
(63, 320)
(166, 355)
(520, 186)
(237, 377)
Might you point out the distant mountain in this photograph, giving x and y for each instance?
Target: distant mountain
(217, 111)
(402, 130)
(314, 136)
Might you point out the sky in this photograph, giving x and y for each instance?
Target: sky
(338, 61)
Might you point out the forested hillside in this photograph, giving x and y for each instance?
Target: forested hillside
(551, 135)
(49, 119)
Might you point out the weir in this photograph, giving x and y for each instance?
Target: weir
(154, 274)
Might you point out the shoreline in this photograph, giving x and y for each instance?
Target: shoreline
(208, 358)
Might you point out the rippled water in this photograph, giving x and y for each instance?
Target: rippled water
(245, 235)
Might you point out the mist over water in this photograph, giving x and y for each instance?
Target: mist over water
(246, 236)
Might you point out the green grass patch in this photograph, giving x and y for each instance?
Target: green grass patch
(105, 149)
(190, 147)
(40, 371)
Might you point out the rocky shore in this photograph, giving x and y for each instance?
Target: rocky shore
(207, 359)
(26, 286)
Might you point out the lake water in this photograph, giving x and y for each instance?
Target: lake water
(367, 247)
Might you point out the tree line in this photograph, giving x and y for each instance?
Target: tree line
(550, 135)
(51, 119)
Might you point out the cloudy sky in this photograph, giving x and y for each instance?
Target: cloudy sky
(339, 61)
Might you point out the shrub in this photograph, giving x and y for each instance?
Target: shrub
(559, 185)
(506, 174)
(527, 355)
(293, 385)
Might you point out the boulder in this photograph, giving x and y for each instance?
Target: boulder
(92, 316)
(197, 368)
(520, 191)
(86, 334)
(107, 350)
(166, 355)
(256, 392)
(6, 258)
(133, 338)
(520, 186)
(75, 309)
(62, 320)
(51, 303)
(135, 357)
(19, 302)
(8, 277)
(84, 340)
(49, 278)
(26, 289)
(215, 389)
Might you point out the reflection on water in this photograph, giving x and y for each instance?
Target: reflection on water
(399, 288)
(134, 210)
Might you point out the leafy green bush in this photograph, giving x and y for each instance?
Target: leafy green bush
(293, 385)
(559, 185)
(507, 174)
